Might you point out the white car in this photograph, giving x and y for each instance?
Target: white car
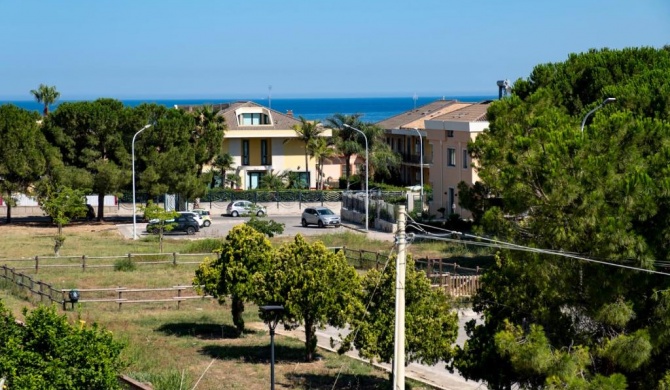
(244, 207)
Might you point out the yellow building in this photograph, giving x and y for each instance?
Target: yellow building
(405, 134)
(448, 135)
(261, 140)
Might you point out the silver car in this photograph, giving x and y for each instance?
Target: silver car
(244, 207)
(320, 216)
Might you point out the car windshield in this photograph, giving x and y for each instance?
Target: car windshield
(325, 212)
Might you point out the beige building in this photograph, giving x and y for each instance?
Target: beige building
(449, 134)
(261, 140)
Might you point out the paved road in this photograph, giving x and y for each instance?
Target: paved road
(222, 224)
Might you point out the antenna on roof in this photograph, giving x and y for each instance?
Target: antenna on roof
(270, 97)
(415, 98)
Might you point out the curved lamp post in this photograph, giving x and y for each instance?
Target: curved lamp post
(134, 208)
(598, 107)
(275, 311)
(421, 156)
(367, 176)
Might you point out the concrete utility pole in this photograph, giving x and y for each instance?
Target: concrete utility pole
(399, 351)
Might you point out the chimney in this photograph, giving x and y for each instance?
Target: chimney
(289, 113)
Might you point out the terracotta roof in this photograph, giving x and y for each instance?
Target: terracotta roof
(279, 121)
(415, 117)
(472, 113)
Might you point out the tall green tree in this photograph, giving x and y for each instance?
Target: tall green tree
(307, 132)
(431, 324)
(346, 138)
(62, 204)
(382, 158)
(47, 95)
(601, 194)
(207, 135)
(23, 153)
(245, 253)
(316, 286)
(91, 136)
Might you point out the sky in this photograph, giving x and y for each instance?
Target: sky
(130, 49)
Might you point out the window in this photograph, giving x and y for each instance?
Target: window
(301, 179)
(451, 206)
(245, 152)
(465, 158)
(450, 133)
(264, 152)
(253, 119)
(451, 157)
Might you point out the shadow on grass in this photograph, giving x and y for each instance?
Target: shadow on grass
(201, 331)
(344, 381)
(255, 353)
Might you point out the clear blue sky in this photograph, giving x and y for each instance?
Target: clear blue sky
(303, 48)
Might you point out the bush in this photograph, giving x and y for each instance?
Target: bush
(208, 245)
(125, 264)
(268, 227)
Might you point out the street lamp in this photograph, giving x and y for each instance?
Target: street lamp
(134, 209)
(275, 311)
(421, 163)
(367, 176)
(601, 105)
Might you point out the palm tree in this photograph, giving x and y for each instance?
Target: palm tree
(273, 181)
(46, 95)
(346, 139)
(321, 148)
(308, 131)
(224, 162)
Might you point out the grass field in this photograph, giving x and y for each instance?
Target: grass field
(173, 348)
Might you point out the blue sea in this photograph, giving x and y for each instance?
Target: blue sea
(372, 109)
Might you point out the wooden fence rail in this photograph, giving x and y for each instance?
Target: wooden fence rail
(28, 285)
(119, 295)
(85, 262)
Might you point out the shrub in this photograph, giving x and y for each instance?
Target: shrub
(208, 245)
(268, 227)
(125, 264)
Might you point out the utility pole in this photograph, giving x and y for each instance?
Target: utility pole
(399, 351)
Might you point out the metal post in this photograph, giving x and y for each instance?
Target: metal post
(421, 164)
(272, 359)
(134, 208)
(367, 177)
(399, 352)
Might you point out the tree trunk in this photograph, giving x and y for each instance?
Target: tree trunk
(347, 168)
(310, 340)
(307, 168)
(101, 207)
(237, 310)
(9, 212)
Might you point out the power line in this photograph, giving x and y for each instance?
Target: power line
(511, 246)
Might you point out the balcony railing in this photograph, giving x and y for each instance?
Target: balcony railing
(415, 159)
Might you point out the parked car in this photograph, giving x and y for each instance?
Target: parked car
(195, 216)
(244, 207)
(320, 216)
(183, 223)
(205, 216)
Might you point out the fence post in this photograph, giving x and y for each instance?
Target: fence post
(120, 297)
(37, 264)
(174, 258)
(83, 262)
(377, 257)
(41, 290)
(178, 297)
(360, 259)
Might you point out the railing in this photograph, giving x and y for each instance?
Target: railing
(29, 285)
(415, 158)
(119, 295)
(85, 262)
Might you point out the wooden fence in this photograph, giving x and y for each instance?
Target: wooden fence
(85, 262)
(449, 277)
(120, 295)
(29, 286)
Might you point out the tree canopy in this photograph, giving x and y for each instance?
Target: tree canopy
(603, 194)
(47, 95)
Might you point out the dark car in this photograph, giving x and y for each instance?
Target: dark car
(183, 223)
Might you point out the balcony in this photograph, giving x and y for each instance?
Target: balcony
(415, 159)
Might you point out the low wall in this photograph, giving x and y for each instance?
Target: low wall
(359, 218)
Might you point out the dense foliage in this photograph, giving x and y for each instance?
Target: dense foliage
(244, 253)
(316, 286)
(50, 353)
(431, 325)
(603, 194)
